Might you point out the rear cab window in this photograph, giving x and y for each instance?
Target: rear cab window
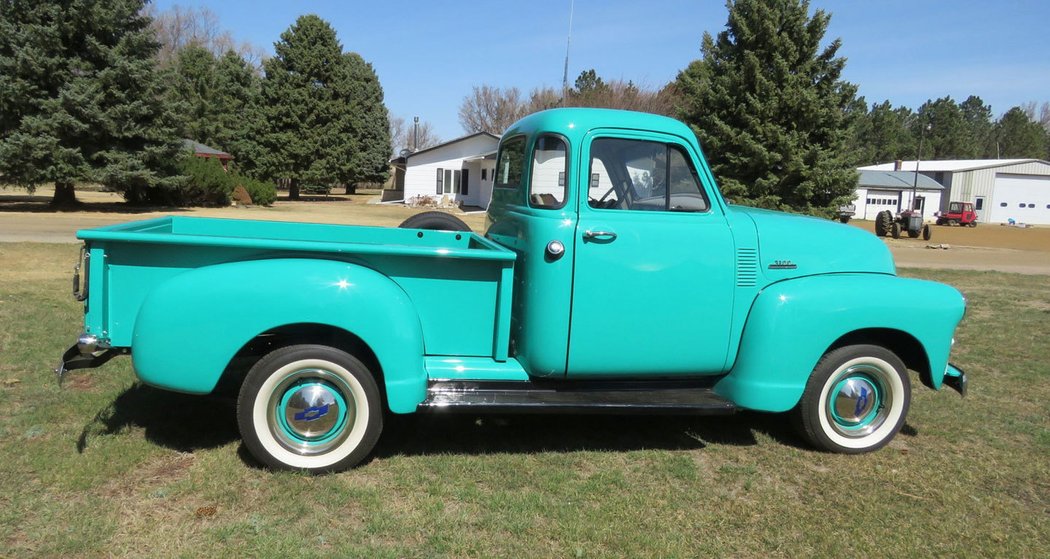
(510, 163)
(548, 181)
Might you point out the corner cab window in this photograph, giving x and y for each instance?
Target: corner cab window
(643, 176)
(510, 163)
(550, 169)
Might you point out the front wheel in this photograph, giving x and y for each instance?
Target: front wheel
(855, 401)
(309, 408)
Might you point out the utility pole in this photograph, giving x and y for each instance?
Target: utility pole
(918, 158)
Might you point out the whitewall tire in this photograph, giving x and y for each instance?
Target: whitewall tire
(310, 408)
(855, 401)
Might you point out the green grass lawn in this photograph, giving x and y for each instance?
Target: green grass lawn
(104, 466)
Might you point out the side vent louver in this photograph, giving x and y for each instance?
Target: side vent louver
(746, 267)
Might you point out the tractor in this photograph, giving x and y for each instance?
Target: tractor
(908, 221)
(959, 213)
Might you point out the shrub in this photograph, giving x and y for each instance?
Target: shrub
(263, 193)
(207, 183)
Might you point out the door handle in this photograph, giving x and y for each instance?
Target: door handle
(599, 235)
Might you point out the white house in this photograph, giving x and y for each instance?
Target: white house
(1000, 189)
(896, 191)
(461, 169)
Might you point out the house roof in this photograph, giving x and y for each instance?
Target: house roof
(952, 165)
(450, 142)
(202, 150)
(896, 180)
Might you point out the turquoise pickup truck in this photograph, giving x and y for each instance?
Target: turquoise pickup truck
(612, 278)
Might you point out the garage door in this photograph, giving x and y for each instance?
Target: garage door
(877, 201)
(1023, 198)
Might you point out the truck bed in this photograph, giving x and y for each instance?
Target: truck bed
(455, 279)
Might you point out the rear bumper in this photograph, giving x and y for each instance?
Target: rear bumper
(88, 352)
(955, 378)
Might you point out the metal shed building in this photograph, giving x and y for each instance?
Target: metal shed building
(1000, 189)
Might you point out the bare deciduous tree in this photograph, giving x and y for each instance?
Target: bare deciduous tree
(491, 109)
(180, 27)
(406, 135)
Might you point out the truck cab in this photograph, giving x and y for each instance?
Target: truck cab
(612, 277)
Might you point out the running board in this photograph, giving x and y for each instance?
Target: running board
(575, 397)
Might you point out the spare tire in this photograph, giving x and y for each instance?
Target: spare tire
(435, 221)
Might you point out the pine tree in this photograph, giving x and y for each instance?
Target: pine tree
(235, 101)
(889, 137)
(946, 132)
(979, 127)
(194, 84)
(307, 113)
(1018, 136)
(81, 100)
(369, 123)
(770, 109)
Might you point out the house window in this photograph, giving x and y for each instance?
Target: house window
(978, 204)
(457, 177)
(464, 190)
(448, 181)
(1003, 205)
(441, 174)
(483, 173)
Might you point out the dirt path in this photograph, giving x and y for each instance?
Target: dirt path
(26, 218)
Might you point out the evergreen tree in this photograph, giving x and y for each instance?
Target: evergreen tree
(889, 137)
(979, 127)
(941, 129)
(1019, 136)
(235, 102)
(369, 123)
(770, 109)
(307, 114)
(194, 84)
(81, 100)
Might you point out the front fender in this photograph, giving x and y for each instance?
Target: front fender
(794, 322)
(190, 326)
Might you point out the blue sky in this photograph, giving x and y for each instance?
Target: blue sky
(429, 55)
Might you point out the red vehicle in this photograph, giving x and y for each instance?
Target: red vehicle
(959, 213)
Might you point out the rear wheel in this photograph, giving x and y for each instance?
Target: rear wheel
(883, 221)
(311, 408)
(855, 401)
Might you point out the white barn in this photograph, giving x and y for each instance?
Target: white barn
(894, 191)
(1000, 189)
(461, 169)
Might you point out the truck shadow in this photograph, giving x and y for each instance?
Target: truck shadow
(177, 421)
(498, 434)
(188, 423)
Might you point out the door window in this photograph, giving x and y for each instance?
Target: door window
(643, 175)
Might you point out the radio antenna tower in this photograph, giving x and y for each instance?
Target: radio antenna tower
(568, 43)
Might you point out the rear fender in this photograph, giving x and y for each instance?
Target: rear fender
(793, 323)
(190, 326)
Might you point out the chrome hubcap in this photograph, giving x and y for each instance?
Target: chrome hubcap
(857, 403)
(855, 399)
(311, 411)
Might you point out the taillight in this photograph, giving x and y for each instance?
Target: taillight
(80, 289)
